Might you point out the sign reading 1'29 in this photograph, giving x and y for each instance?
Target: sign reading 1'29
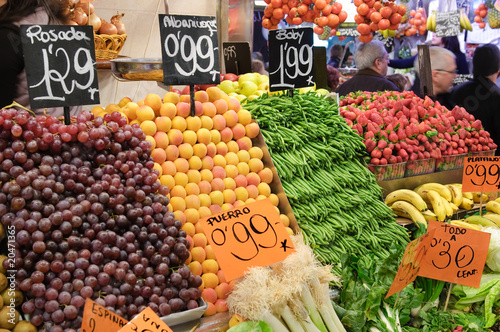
(60, 65)
(291, 58)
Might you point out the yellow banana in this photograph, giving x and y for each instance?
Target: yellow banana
(433, 21)
(467, 204)
(447, 207)
(429, 23)
(493, 206)
(453, 207)
(437, 187)
(456, 194)
(482, 221)
(476, 197)
(410, 212)
(466, 20)
(493, 216)
(464, 224)
(429, 215)
(434, 199)
(462, 23)
(467, 195)
(406, 195)
(497, 200)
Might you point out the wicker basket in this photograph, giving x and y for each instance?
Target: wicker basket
(108, 47)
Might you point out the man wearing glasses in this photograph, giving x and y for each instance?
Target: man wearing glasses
(371, 59)
(444, 71)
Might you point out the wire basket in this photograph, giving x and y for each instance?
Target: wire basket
(108, 46)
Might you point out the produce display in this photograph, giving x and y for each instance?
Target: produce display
(209, 163)
(481, 11)
(249, 85)
(334, 197)
(90, 220)
(435, 201)
(493, 14)
(82, 13)
(289, 296)
(400, 127)
(325, 14)
(417, 23)
(375, 16)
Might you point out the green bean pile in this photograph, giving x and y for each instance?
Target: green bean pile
(320, 161)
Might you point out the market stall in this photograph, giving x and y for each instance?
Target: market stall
(214, 201)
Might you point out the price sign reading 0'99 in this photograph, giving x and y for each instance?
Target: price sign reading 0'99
(250, 235)
(189, 50)
(60, 63)
(481, 174)
(291, 58)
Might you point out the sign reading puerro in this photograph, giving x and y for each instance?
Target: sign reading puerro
(246, 236)
(189, 50)
(60, 65)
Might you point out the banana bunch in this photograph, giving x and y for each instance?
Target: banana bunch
(408, 204)
(431, 22)
(464, 21)
(440, 198)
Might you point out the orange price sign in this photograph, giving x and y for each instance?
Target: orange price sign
(410, 264)
(146, 321)
(456, 254)
(250, 235)
(97, 318)
(481, 174)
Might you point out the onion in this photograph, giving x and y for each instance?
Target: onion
(71, 22)
(87, 7)
(107, 28)
(120, 27)
(79, 16)
(95, 21)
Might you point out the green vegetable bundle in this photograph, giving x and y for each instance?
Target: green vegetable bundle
(320, 161)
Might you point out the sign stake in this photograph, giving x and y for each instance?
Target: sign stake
(66, 116)
(481, 204)
(448, 297)
(191, 99)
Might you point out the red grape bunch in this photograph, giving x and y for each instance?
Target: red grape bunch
(91, 220)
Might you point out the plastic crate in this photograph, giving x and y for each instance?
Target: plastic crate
(420, 166)
(446, 163)
(483, 153)
(388, 172)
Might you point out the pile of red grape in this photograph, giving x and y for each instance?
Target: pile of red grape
(91, 220)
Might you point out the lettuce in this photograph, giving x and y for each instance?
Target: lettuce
(493, 258)
(251, 326)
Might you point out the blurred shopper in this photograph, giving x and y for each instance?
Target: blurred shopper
(399, 80)
(333, 77)
(371, 59)
(335, 55)
(444, 71)
(452, 44)
(481, 96)
(14, 13)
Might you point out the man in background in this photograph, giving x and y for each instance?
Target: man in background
(371, 59)
(443, 69)
(481, 96)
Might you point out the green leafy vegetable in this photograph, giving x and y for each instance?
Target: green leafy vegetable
(251, 326)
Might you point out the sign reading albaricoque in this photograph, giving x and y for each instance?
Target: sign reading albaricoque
(60, 65)
(189, 50)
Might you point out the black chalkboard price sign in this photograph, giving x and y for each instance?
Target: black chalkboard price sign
(447, 24)
(60, 65)
(290, 58)
(237, 57)
(189, 50)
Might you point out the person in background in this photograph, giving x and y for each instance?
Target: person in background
(336, 53)
(371, 59)
(481, 96)
(452, 44)
(333, 77)
(348, 60)
(258, 67)
(444, 71)
(14, 13)
(399, 80)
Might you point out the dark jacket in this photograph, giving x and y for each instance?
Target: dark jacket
(460, 59)
(366, 80)
(481, 98)
(12, 62)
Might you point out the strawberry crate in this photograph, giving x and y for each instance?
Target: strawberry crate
(388, 172)
(420, 166)
(446, 163)
(488, 153)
